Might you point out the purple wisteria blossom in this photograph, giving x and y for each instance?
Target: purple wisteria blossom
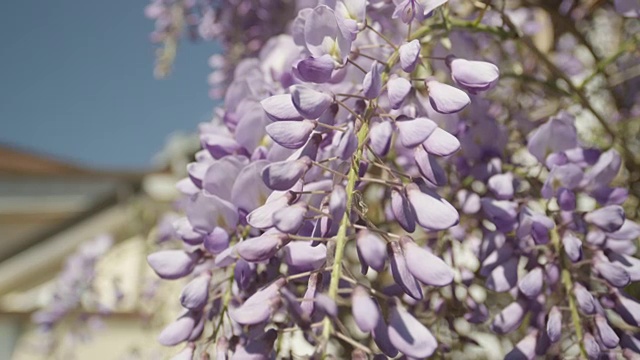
(371, 187)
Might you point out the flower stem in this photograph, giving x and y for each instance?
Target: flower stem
(568, 288)
(341, 237)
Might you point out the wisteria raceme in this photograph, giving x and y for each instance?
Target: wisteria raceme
(370, 187)
(74, 292)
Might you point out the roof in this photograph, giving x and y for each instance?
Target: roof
(41, 196)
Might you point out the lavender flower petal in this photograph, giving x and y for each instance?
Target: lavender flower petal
(310, 103)
(432, 212)
(441, 143)
(425, 266)
(398, 89)
(280, 107)
(172, 264)
(401, 273)
(413, 132)
(284, 174)
(291, 134)
(409, 336)
(446, 99)
(409, 55)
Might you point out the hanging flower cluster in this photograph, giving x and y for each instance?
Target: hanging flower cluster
(357, 195)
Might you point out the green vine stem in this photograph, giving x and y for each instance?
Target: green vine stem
(568, 288)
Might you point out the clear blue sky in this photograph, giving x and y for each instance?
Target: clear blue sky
(76, 82)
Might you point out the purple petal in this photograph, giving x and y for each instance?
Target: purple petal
(508, 319)
(307, 304)
(259, 348)
(380, 137)
(431, 5)
(177, 332)
(184, 231)
(566, 199)
(474, 76)
(187, 187)
(337, 208)
(608, 337)
(172, 264)
(226, 257)
(380, 336)
(446, 99)
(197, 330)
(531, 284)
(294, 309)
(409, 336)
(372, 82)
(262, 217)
(249, 191)
(402, 211)
(409, 55)
(469, 201)
(609, 218)
(586, 302)
(558, 134)
(554, 324)
(291, 134)
(429, 167)
(323, 35)
(254, 313)
(397, 89)
(347, 144)
(613, 273)
(425, 266)
(196, 171)
(568, 176)
(261, 248)
(283, 175)
(195, 294)
(316, 70)
(259, 306)
(502, 186)
(591, 346)
(289, 219)
(629, 263)
(372, 250)
(220, 146)
(220, 176)
(407, 10)
(310, 103)
(504, 277)
(206, 211)
(243, 273)
(413, 132)
(441, 143)
(500, 212)
(300, 256)
(605, 170)
(525, 349)
(280, 107)
(432, 212)
(401, 273)
(628, 231)
(366, 312)
(327, 305)
(628, 308)
(572, 246)
(250, 128)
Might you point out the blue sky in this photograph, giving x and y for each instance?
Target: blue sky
(76, 82)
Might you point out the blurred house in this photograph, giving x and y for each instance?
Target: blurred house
(47, 209)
